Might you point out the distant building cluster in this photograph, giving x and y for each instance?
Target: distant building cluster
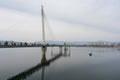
(103, 44)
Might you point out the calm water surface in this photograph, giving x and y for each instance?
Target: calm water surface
(75, 64)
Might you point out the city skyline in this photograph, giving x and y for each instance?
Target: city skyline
(74, 20)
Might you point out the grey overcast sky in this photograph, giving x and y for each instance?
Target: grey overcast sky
(65, 20)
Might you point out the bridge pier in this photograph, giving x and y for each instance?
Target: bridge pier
(52, 51)
(44, 49)
(60, 49)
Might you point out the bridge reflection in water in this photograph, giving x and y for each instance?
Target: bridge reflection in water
(44, 62)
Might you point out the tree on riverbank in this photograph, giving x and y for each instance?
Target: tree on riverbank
(6, 43)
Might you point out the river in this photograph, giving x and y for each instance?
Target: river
(73, 64)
